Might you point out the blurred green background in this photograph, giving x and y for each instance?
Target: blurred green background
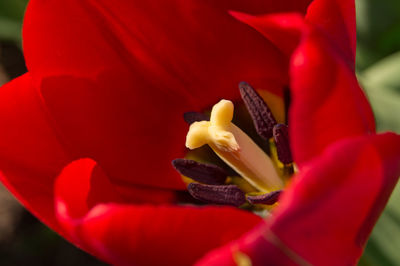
(25, 240)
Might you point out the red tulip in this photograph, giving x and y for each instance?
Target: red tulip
(110, 81)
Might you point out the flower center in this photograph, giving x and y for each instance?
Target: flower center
(257, 178)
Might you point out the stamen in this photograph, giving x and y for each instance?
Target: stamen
(281, 137)
(191, 117)
(257, 178)
(262, 116)
(224, 195)
(201, 172)
(267, 199)
(234, 147)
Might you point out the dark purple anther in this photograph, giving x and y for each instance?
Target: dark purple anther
(281, 137)
(262, 116)
(223, 195)
(267, 199)
(201, 172)
(191, 117)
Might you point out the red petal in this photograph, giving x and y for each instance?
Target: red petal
(139, 234)
(202, 51)
(149, 235)
(327, 102)
(197, 37)
(332, 207)
(30, 153)
(83, 184)
(283, 30)
(116, 79)
(133, 134)
(259, 246)
(338, 19)
(328, 212)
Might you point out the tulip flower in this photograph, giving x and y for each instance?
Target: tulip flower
(89, 132)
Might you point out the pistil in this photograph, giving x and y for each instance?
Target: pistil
(234, 147)
(257, 179)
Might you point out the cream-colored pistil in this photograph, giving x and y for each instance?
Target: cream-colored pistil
(233, 146)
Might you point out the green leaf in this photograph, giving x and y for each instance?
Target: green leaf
(378, 30)
(381, 82)
(13, 9)
(385, 73)
(382, 85)
(11, 16)
(383, 245)
(386, 106)
(10, 30)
